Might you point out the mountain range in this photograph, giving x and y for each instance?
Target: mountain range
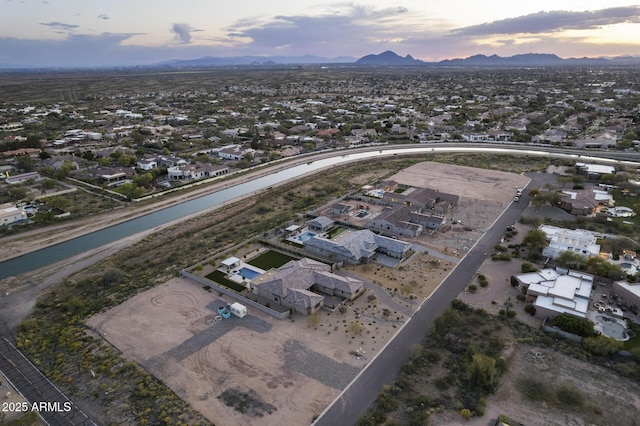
(390, 58)
(384, 59)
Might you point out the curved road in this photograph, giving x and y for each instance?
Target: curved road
(364, 389)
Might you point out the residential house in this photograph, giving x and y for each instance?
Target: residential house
(585, 202)
(356, 247)
(301, 285)
(405, 220)
(320, 224)
(21, 178)
(628, 292)
(594, 171)
(420, 198)
(339, 209)
(555, 292)
(577, 241)
(196, 171)
(147, 163)
(10, 214)
(234, 152)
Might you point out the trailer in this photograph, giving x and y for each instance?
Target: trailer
(238, 310)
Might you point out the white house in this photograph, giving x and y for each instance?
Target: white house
(234, 152)
(195, 171)
(555, 292)
(147, 164)
(579, 241)
(10, 214)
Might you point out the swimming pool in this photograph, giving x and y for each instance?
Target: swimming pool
(629, 266)
(612, 328)
(306, 236)
(248, 273)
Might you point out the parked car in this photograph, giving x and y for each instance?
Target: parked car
(224, 312)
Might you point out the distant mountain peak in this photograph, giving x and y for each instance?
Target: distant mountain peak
(387, 58)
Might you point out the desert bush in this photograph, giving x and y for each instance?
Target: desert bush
(465, 413)
(570, 395)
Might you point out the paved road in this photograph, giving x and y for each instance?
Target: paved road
(361, 393)
(51, 404)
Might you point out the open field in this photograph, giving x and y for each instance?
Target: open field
(291, 369)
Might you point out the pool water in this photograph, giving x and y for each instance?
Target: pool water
(612, 328)
(306, 236)
(248, 273)
(629, 266)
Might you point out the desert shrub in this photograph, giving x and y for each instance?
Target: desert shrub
(465, 413)
(501, 256)
(527, 267)
(113, 276)
(570, 395)
(530, 309)
(473, 288)
(433, 357)
(483, 280)
(511, 313)
(533, 388)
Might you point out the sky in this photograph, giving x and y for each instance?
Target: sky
(99, 33)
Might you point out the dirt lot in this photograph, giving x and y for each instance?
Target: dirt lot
(484, 194)
(288, 371)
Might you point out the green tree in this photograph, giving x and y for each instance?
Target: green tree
(248, 156)
(569, 259)
(131, 190)
(59, 202)
(482, 372)
(601, 267)
(602, 345)
(126, 160)
(64, 170)
(535, 241)
(48, 184)
(17, 192)
(143, 179)
(25, 163)
(571, 324)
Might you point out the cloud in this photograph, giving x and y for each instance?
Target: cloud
(75, 50)
(554, 21)
(183, 32)
(103, 17)
(59, 25)
(345, 29)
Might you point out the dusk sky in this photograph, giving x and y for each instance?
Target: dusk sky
(95, 33)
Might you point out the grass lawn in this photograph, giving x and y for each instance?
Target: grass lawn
(219, 277)
(335, 232)
(270, 259)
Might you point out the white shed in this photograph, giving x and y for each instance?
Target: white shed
(238, 309)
